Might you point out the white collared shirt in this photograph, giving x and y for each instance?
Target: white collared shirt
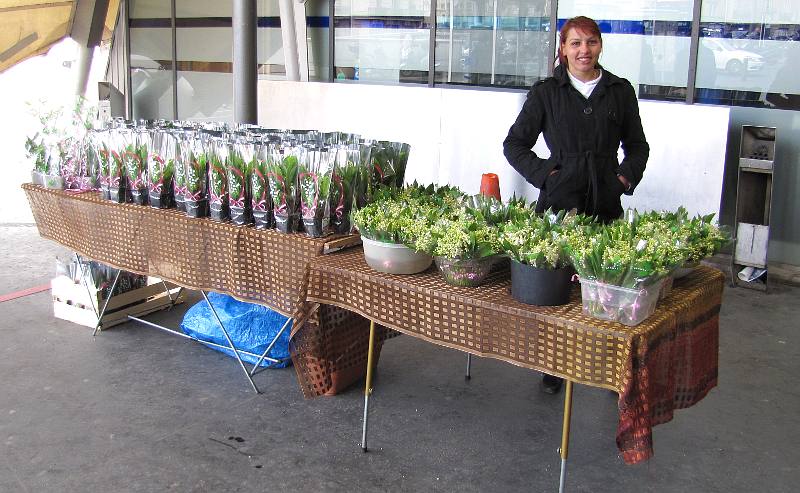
(584, 88)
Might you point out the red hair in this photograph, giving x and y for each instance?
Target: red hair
(579, 23)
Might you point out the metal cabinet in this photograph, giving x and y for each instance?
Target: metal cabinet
(753, 206)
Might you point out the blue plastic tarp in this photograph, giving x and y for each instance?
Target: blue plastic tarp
(251, 328)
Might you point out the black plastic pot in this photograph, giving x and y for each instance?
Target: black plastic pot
(161, 200)
(180, 202)
(341, 226)
(286, 223)
(197, 208)
(140, 196)
(118, 194)
(241, 216)
(220, 211)
(541, 287)
(315, 227)
(263, 219)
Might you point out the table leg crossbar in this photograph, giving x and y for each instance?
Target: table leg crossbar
(230, 346)
(264, 356)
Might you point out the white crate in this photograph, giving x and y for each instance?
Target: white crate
(73, 302)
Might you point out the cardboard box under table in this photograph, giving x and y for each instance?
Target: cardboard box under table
(667, 362)
(258, 266)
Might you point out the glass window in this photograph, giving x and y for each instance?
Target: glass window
(746, 52)
(151, 59)
(382, 40)
(204, 41)
(644, 41)
(492, 42)
(271, 64)
(318, 25)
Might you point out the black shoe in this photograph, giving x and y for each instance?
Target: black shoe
(551, 384)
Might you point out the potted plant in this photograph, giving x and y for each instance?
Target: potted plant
(196, 178)
(98, 141)
(388, 163)
(457, 231)
(388, 222)
(703, 239)
(161, 169)
(182, 153)
(282, 180)
(540, 267)
(261, 201)
(135, 163)
(218, 181)
(240, 160)
(314, 183)
(345, 176)
(622, 265)
(117, 178)
(34, 148)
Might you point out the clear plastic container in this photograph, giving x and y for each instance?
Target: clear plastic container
(394, 258)
(618, 304)
(666, 287)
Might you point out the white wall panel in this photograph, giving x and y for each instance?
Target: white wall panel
(456, 135)
(149, 9)
(205, 96)
(407, 114)
(206, 44)
(204, 8)
(149, 44)
(270, 45)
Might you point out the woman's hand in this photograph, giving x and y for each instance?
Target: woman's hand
(625, 182)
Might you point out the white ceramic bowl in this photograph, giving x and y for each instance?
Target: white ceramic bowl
(394, 258)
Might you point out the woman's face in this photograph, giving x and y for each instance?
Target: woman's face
(582, 51)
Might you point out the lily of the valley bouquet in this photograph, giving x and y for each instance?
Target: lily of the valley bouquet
(314, 182)
(704, 238)
(241, 160)
(394, 215)
(538, 239)
(633, 252)
(283, 167)
(461, 234)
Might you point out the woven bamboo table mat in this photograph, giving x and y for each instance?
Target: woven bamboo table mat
(668, 361)
(266, 267)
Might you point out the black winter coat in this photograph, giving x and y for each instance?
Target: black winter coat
(583, 136)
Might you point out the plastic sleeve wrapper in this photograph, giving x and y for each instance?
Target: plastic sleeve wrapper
(315, 178)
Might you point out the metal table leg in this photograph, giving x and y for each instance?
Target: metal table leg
(564, 450)
(91, 296)
(230, 342)
(270, 346)
(368, 386)
(467, 376)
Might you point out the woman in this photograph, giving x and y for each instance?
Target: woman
(585, 114)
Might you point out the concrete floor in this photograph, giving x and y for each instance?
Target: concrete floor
(135, 409)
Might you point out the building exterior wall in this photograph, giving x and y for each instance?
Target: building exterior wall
(736, 54)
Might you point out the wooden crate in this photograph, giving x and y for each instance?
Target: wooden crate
(73, 302)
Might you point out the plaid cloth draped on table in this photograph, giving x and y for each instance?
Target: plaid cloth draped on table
(667, 362)
(265, 267)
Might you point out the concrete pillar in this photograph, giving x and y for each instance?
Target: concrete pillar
(84, 67)
(289, 37)
(245, 62)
